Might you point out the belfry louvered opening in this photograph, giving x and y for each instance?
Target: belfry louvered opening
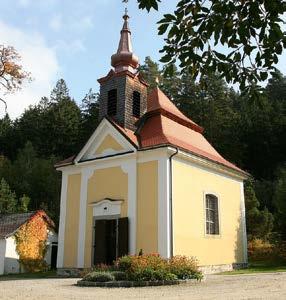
(112, 102)
(136, 104)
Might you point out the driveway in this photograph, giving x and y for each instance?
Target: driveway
(256, 286)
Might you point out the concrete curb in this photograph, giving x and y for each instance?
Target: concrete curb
(128, 284)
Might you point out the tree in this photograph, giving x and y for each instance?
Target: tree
(60, 92)
(90, 115)
(259, 222)
(24, 202)
(241, 40)
(12, 74)
(36, 177)
(151, 72)
(280, 200)
(8, 201)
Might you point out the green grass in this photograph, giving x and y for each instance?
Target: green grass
(259, 267)
(38, 275)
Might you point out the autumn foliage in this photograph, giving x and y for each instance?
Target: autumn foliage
(12, 74)
(31, 240)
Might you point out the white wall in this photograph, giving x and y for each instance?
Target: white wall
(11, 257)
(2, 255)
(52, 238)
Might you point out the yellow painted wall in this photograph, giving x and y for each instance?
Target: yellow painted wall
(108, 143)
(189, 185)
(147, 207)
(104, 183)
(72, 221)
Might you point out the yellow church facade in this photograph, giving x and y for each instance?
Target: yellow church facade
(147, 180)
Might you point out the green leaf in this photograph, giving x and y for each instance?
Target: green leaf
(162, 28)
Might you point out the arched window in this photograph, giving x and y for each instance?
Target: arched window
(212, 215)
(136, 104)
(112, 102)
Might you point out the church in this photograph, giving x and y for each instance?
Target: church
(148, 180)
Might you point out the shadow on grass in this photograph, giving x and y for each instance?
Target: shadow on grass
(30, 276)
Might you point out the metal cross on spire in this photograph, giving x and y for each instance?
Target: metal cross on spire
(126, 10)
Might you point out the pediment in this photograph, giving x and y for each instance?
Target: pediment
(105, 141)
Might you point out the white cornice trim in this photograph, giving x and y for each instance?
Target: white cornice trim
(102, 130)
(188, 157)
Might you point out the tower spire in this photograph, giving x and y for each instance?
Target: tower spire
(125, 59)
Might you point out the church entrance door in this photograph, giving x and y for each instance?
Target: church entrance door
(110, 240)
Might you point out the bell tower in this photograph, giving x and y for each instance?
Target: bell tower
(123, 92)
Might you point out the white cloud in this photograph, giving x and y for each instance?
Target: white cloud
(56, 22)
(83, 23)
(24, 3)
(37, 58)
(70, 47)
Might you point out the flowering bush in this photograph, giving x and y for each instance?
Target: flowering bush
(183, 267)
(153, 267)
(148, 267)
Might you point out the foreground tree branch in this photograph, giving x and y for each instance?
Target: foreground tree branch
(239, 39)
(12, 74)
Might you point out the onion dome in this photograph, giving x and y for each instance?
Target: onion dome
(125, 59)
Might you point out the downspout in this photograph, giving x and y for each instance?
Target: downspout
(171, 201)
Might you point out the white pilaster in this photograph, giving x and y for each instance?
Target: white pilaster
(85, 175)
(243, 222)
(129, 167)
(61, 238)
(164, 242)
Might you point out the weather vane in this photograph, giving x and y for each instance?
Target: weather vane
(126, 10)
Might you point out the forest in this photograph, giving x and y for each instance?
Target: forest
(249, 131)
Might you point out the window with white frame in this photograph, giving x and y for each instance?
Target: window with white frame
(212, 217)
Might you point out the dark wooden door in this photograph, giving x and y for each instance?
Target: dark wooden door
(110, 240)
(104, 241)
(123, 237)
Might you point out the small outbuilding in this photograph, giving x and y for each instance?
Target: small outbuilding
(25, 239)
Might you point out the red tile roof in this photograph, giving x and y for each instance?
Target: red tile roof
(158, 102)
(164, 124)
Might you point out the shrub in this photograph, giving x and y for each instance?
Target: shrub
(33, 265)
(99, 277)
(119, 275)
(152, 267)
(124, 263)
(260, 250)
(149, 274)
(103, 268)
(183, 267)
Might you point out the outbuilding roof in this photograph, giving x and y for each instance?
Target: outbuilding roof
(10, 223)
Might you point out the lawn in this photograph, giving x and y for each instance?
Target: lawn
(259, 267)
(37, 275)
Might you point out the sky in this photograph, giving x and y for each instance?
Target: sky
(74, 40)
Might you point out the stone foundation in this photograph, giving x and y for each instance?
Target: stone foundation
(212, 269)
(69, 272)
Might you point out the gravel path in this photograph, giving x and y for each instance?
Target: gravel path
(258, 286)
